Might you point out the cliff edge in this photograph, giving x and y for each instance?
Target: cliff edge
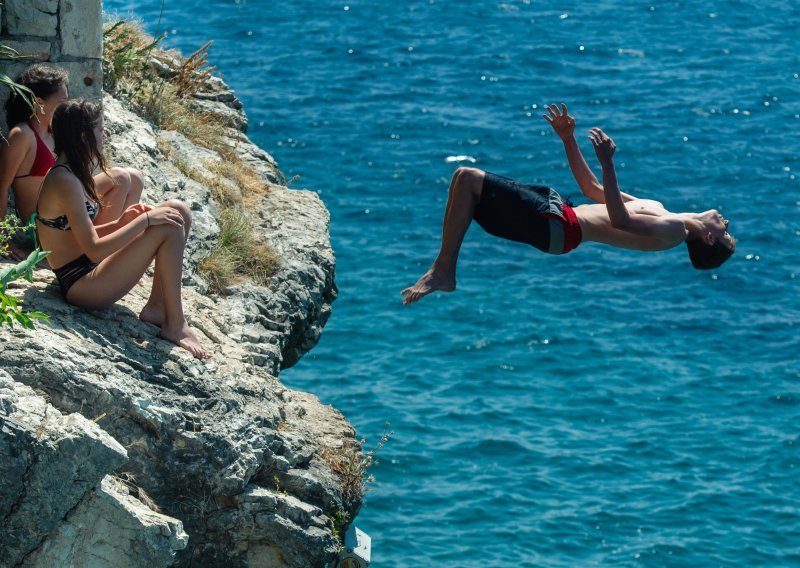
(117, 448)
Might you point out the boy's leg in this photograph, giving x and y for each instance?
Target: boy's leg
(465, 193)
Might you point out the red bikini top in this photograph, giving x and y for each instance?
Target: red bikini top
(44, 159)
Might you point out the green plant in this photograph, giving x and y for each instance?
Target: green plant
(11, 307)
(126, 54)
(340, 519)
(7, 52)
(278, 490)
(351, 464)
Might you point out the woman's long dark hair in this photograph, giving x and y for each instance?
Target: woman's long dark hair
(73, 130)
(44, 81)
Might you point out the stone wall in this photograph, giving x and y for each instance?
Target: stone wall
(64, 32)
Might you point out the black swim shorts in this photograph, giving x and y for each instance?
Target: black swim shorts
(531, 214)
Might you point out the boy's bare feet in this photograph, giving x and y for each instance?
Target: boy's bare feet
(433, 280)
(183, 336)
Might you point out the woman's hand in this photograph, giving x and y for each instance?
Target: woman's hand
(604, 146)
(165, 216)
(562, 123)
(132, 212)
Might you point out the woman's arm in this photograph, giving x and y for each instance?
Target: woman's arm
(96, 247)
(564, 126)
(12, 154)
(127, 216)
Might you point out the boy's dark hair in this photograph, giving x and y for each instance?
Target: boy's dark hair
(705, 256)
(73, 130)
(43, 80)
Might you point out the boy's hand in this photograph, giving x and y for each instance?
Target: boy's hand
(604, 146)
(562, 123)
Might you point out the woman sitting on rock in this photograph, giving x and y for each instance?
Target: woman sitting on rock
(28, 153)
(96, 266)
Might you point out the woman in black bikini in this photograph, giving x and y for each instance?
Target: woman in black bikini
(27, 154)
(96, 266)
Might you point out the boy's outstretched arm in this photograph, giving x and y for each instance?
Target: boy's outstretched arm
(669, 229)
(564, 126)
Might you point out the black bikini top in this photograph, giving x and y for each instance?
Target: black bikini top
(61, 223)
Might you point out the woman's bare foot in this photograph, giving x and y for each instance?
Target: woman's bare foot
(433, 280)
(152, 314)
(183, 336)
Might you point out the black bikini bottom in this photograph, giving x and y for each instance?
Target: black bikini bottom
(73, 271)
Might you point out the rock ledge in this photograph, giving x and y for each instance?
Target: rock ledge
(227, 453)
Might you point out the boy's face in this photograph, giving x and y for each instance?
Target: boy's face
(717, 226)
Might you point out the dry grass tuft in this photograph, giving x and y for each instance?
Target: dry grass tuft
(351, 464)
(160, 104)
(348, 464)
(166, 101)
(238, 254)
(225, 192)
(251, 186)
(128, 480)
(164, 147)
(193, 72)
(127, 53)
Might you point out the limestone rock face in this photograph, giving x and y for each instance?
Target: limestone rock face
(109, 527)
(220, 446)
(47, 463)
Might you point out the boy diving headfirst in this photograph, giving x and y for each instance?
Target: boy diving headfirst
(537, 215)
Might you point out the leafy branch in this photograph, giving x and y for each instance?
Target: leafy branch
(10, 307)
(27, 95)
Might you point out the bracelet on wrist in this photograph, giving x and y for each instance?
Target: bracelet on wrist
(147, 214)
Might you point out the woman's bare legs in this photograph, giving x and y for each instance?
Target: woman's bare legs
(118, 191)
(153, 312)
(116, 275)
(464, 195)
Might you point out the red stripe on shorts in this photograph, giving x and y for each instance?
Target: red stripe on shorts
(572, 230)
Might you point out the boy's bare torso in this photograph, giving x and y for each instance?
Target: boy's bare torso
(596, 225)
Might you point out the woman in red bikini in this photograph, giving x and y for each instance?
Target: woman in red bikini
(537, 215)
(94, 268)
(28, 153)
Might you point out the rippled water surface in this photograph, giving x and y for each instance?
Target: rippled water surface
(602, 408)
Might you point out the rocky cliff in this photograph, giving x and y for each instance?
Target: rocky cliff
(119, 449)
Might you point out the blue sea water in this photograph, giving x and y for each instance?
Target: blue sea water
(607, 407)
